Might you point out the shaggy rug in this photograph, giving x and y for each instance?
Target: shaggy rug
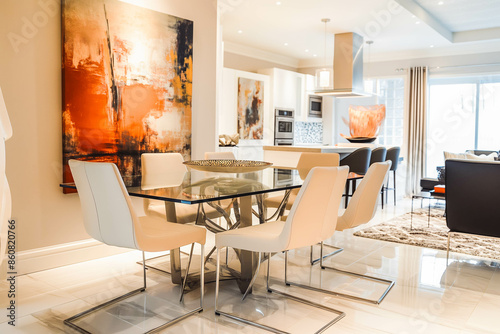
(435, 236)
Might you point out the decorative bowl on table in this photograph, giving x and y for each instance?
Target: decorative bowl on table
(228, 166)
(361, 139)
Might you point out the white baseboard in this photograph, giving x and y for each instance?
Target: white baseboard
(39, 259)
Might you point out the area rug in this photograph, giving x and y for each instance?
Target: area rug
(435, 236)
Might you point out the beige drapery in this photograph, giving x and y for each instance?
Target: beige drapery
(416, 104)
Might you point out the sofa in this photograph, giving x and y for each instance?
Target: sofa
(472, 196)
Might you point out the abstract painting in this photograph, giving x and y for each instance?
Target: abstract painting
(250, 108)
(127, 84)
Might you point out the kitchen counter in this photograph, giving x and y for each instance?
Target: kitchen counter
(288, 156)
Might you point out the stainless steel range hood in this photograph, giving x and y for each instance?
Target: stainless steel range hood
(347, 67)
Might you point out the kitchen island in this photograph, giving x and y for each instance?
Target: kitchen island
(288, 156)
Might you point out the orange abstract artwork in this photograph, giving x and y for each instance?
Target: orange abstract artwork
(127, 84)
(250, 108)
(365, 121)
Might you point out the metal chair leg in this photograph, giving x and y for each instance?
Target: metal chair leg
(394, 175)
(339, 294)
(187, 272)
(315, 261)
(70, 321)
(339, 316)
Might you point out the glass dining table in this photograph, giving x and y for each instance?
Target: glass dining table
(197, 187)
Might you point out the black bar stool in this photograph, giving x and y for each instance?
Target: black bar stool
(358, 162)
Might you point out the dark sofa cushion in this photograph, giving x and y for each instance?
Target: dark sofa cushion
(428, 183)
(472, 196)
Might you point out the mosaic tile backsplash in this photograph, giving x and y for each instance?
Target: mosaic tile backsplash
(308, 133)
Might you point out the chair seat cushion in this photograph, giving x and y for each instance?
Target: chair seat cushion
(257, 238)
(154, 233)
(275, 201)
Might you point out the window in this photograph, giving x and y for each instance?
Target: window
(391, 93)
(463, 114)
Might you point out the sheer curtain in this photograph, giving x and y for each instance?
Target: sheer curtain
(416, 104)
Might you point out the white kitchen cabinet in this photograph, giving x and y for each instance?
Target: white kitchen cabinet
(287, 90)
(308, 90)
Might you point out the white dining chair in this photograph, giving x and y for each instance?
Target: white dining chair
(360, 210)
(219, 155)
(109, 217)
(160, 170)
(312, 216)
(306, 162)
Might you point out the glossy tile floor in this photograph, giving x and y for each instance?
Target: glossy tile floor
(428, 297)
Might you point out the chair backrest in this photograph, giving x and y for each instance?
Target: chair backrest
(358, 161)
(472, 189)
(308, 160)
(363, 205)
(162, 170)
(378, 155)
(219, 156)
(313, 215)
(393, 156)
(108, 213)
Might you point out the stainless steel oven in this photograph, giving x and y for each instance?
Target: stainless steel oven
(283, 126)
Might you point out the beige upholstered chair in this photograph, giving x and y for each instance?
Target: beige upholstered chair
(363, 204)
(168, 170)
(109, 217)
(313, 216)
(306, 161)
(361, 210)
(219, 156)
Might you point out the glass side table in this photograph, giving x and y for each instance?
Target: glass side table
(429, 195)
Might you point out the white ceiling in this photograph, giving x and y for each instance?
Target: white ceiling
(399, 28)
(462, 15)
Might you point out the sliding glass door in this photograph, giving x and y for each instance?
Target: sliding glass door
(463, 114)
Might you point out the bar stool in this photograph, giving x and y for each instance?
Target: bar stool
(379, 155)
(393, 156)
(358, 162)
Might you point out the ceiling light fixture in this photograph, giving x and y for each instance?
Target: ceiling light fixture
(240, 31)
(285, 44)
(418, 22)
(278, 3)
(440, 3)
(324, 76)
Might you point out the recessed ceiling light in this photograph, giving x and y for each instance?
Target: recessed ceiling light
(286, 44)
(240, 31)
(431, 46)
(418, 22)
(307, 50)
(440, 3)
(413, 16)
(315, 55)
(278, 3)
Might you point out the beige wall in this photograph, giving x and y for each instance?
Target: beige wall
(30, 77)
(249, 64)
